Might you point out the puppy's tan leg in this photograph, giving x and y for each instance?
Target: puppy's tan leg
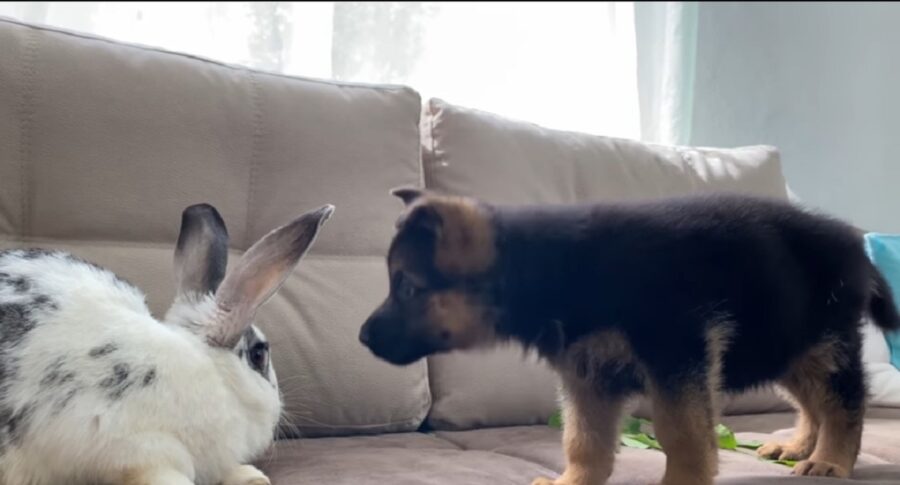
(683, 394)
(837, 447)
(831, 379)
(807, 403)
(683, 422)
(591, 427)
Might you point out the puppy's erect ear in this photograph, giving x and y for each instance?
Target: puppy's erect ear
(201, 253)
(422, 218)
(407, 194)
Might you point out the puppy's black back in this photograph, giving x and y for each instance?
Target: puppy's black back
(665, 272)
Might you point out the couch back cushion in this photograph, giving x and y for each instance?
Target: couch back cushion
(103, 144)
(469, 152)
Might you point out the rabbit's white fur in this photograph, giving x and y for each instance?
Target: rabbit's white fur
(204, 412)
(94, 389)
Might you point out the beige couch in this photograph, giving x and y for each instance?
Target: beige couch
(102, 145)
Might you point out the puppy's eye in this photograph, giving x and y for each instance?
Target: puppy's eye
(406, 289)
(259, 356)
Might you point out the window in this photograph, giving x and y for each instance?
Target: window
(563, 65)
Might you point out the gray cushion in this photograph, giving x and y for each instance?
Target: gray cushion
(103, 144)
(405, 459)
(516, 455)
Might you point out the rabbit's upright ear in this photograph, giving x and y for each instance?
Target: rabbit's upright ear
(201, 254)
(260, 272)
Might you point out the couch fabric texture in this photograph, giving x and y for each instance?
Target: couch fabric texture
(102, 144)
(515, 455)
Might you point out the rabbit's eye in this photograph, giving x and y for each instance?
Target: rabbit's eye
(259, 356)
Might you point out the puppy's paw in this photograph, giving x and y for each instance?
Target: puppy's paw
(246, 475)
(779, 451)
(770, 450)
(820, 469)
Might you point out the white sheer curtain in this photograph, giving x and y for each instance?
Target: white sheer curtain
(564, 65)
(666, 34)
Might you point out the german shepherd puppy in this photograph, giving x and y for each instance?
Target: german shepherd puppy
(676, 299)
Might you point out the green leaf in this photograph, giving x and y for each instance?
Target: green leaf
(749, 444)
(556, 420)
(633, 436)
(650, 440)
(632, 425)
(631, 442)
(644, 439)
(727, 441)
(789, 463)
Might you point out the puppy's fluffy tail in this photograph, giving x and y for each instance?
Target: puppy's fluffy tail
(881, 306)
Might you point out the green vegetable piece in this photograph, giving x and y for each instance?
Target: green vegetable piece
(749, 444)
(631, 442)
(727, 441)
(632, 425)
(556, 420)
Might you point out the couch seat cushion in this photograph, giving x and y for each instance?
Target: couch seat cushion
(878, 463)
(518, 454)
(399, 459)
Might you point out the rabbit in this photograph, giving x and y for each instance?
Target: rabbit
(94, 389)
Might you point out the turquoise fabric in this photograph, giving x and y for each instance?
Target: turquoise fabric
(884, 250)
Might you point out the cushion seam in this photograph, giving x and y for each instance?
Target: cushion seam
(427, 179)
(256, 137)
(417, 144)
(320, 425)
(26, 128)
(526, 460)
